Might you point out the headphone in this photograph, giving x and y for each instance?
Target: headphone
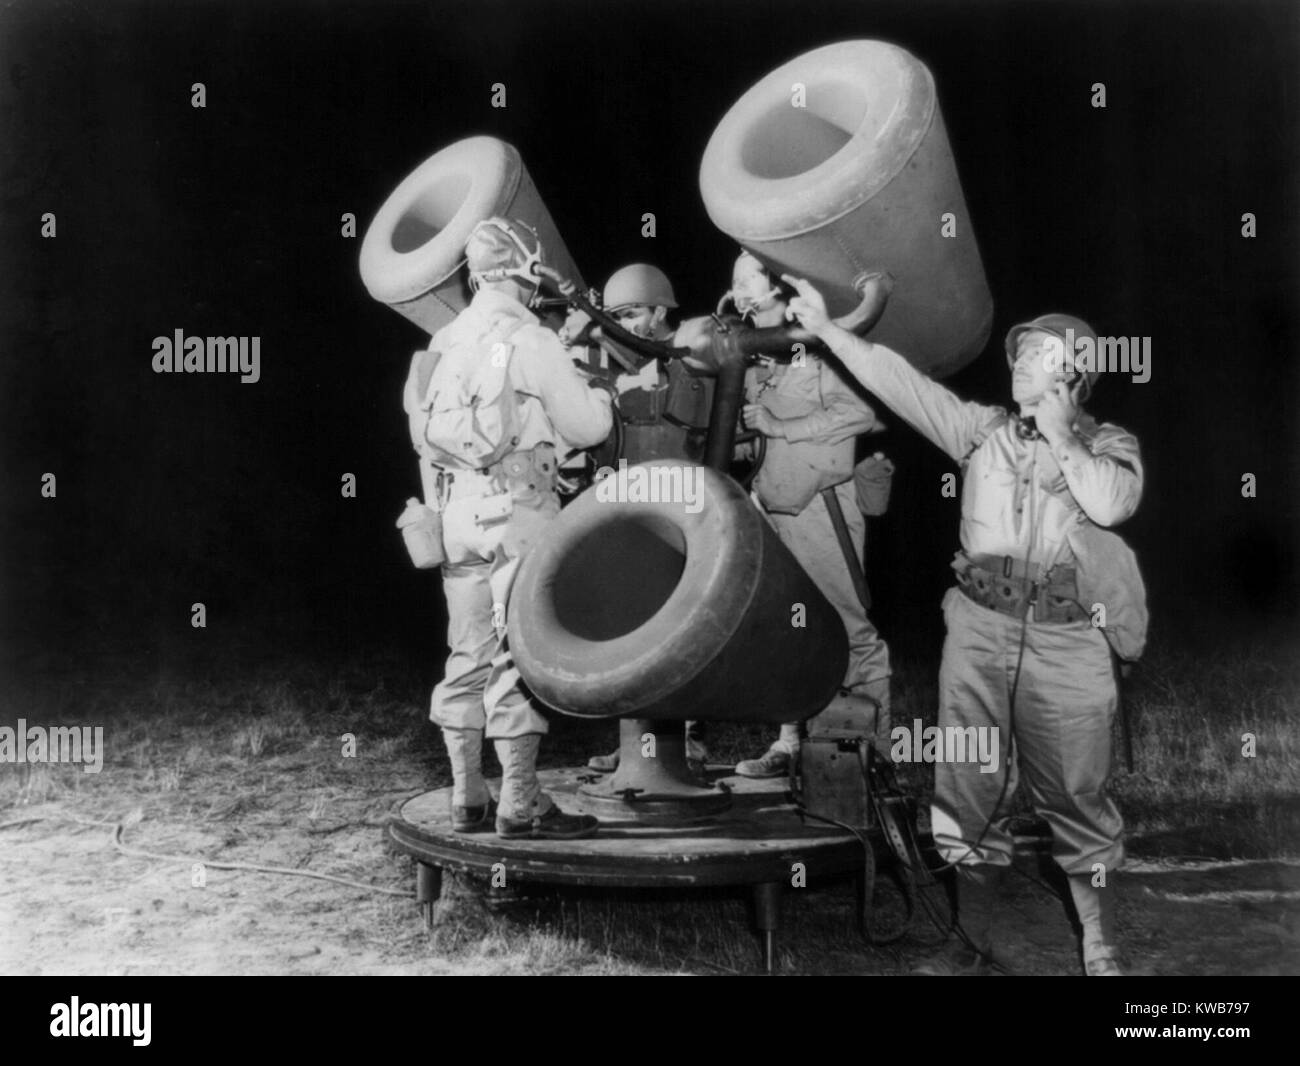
(526, 271)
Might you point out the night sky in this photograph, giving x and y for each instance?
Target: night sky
(226, 221)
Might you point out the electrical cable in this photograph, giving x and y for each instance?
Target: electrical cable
(119, 827)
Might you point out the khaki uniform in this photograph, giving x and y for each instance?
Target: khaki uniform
(1021, 506)
(480, 688)
(822, 415)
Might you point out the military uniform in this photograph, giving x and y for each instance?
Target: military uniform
(490, 518)
(665, 411)
(1035, 556)
(822, 415)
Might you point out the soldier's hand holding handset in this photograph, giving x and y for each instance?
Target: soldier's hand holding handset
(1057, 410)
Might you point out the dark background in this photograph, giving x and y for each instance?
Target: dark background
(226, 221)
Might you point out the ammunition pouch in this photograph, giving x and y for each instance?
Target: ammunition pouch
(1004, 586)
(517, 494)
(690, 399)
(872, 479)
(642, 407)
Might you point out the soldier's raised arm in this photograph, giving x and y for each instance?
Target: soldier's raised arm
(933, 411)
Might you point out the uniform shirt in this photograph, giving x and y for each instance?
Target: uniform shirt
(1017, 499)
(821, 414)
(556, 405)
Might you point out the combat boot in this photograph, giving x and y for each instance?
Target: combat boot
(604, 764)
(477, 818)
(471, 803)
(979, 890)
(1096, 907)
(525, 812)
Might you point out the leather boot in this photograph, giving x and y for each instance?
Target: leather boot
(979, 890)
(471, 803)
(526, 812)
(1096, 907)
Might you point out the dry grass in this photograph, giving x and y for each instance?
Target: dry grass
(248, 764)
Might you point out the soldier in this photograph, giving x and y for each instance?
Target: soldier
(1022, 654)
(663, 406)
(811, 418)
(489, 405)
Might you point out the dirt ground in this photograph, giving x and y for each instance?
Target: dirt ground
(72, 903)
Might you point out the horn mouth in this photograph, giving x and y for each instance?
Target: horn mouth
(417, 239)
(773, 171)
(429, 212)
(414, 249)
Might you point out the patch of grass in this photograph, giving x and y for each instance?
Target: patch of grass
(251, 760)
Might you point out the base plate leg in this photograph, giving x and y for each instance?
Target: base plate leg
(767, 917)
(428, 889)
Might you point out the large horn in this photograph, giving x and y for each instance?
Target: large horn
(860, 178)
(669, 611)
(413, 251)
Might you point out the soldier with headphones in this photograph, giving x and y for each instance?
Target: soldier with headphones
(489, 405)
(1044, 592)
(812, 418)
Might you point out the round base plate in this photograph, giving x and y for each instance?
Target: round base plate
(758, 839)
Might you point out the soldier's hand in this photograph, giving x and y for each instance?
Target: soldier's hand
(758, 417)
(577, 321)
(808, 307)
(1056, 412)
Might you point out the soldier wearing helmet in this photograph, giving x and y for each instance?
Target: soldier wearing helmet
(499, 383)
(1045, 592)
(812, 419)
(663, 406)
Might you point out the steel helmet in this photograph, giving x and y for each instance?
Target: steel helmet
(638, 283)
(1057, 325)
(500, 248)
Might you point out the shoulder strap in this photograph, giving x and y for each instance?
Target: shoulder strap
(423, 363)
(981, 435)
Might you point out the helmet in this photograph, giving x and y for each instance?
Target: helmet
(500, 248)
(1058, 325)
(638, 283)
